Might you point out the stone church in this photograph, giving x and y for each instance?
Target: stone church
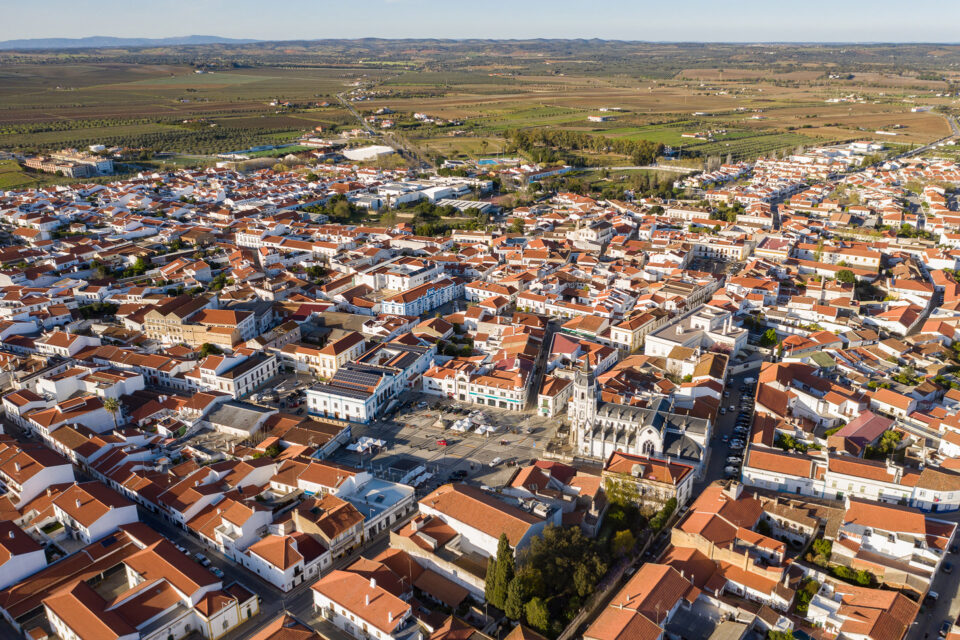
(597, 429)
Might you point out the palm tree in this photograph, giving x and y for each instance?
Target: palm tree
(112, 405)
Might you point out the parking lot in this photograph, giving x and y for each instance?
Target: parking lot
(421, 434)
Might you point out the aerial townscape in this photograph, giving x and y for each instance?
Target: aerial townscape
(470, 339)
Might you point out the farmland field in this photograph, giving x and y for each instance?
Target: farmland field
(745, 101)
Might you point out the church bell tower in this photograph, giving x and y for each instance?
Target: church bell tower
(583, 408)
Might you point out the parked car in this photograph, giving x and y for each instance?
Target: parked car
(203, 560)
(217, 571)
(947, 567)
(496, 461)
(731, 471)
(734, 460)
(723, 411)
(945, 628)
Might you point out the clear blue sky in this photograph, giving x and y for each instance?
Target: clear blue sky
(686, 20)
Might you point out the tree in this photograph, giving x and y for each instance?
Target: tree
(845, 275)
(208, 349)
(342, 210)
(498, 580)
(490, 580)
(112, 406)
(659, 520)
(822, 550)
(586, 575)
(622, 492)
(218, 282)
(732, 216)
(623, 543)
(516, 595)
(388, 219)
(517, 225)
(538, 616)
(769, 338)
(808, 589)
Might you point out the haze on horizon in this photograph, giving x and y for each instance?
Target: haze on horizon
(692, 21)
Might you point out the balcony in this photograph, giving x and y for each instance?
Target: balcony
(228, 533)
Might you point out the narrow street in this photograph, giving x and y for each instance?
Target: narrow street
(540, 367)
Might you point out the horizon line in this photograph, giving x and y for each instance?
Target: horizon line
(251, 40)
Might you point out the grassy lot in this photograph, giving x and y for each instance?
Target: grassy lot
(15, 177)
(279, 153)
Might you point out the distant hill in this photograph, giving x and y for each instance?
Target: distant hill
(94, 42)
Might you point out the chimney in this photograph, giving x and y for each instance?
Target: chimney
(16, 465)
(367, 597)
(79, 504)
(373, 583)
(389, 613)
(11, 534)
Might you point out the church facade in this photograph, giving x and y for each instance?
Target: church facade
(598, 429)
